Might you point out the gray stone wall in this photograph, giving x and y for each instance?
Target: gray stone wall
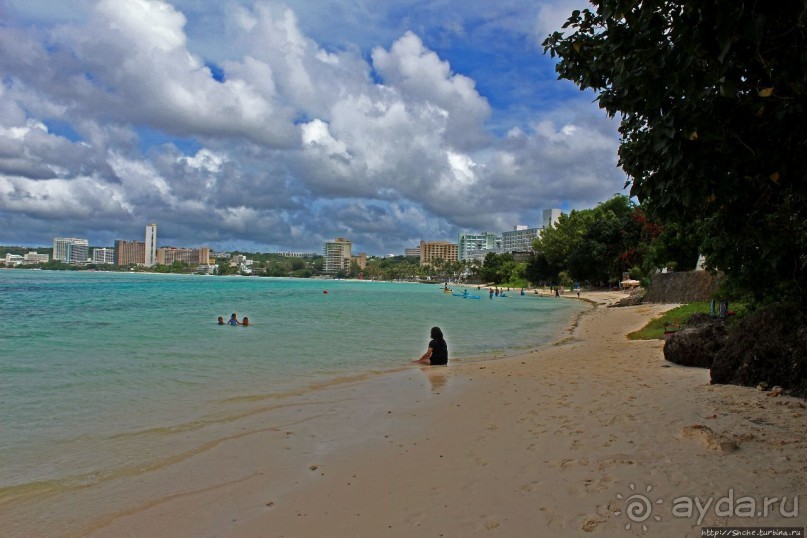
(683, 287)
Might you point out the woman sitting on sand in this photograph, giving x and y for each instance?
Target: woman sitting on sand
(437, 354)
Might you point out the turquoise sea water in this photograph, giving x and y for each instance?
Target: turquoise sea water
(100, 370)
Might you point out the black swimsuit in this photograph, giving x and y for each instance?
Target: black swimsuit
(439, 352)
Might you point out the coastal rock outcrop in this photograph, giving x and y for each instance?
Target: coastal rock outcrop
(697, 345)
(767, 348)
(698, 319)
(635, 298)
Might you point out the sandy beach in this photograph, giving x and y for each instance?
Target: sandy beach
(593, 435)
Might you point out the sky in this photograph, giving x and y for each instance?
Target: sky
(266, 126)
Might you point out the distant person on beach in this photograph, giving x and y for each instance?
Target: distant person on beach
(437, 354)
(221, 320)
(233, 320)
(245, 323)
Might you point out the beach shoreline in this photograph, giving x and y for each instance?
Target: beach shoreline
(547, 441)
(75, 505)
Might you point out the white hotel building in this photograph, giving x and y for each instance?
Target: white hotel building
(519, 239)
(476, 246)
(337, 256)
(103, 256)
(29, 258)
(71, 250)
(151, 245)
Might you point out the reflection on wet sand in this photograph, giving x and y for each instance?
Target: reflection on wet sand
(438, 376)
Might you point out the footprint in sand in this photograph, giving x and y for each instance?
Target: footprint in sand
(608, 422)
(709, 438)
(590, 525)
(528, 488)
(610, 441)
(592, 485)
(491, 524)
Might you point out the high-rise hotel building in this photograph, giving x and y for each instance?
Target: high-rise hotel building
(191, 256)
(337, 255)
(437, 250)
(103, 256)
(71, 250)
(551, 217)
(519, 239)
(129, 252)
(151, 245)
(470, 245)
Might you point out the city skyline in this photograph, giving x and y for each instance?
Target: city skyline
(550, 217)
(260, 126)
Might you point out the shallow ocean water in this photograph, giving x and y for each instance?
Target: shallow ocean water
(100, 371)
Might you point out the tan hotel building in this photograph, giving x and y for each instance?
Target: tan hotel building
(438, 250)
(130, 252)
(191, 256)
(337, 256)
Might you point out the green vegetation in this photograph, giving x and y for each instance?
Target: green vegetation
(393, 268)
(515, 284)
(176, 267)
(503, 270)
(53, 265)
(598, 245)
(711, 98)
(282, 266)
(409, 268)
(678, 317)
(19, 251)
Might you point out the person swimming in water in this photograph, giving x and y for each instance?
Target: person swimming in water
(221, 320)
(245, 323)
(233, 320)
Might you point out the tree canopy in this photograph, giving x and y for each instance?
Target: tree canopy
(599, 244)
(712, 103)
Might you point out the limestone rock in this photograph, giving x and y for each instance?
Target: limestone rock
(698, 319)
(768, 347)
(696, 346)
(635, 298)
